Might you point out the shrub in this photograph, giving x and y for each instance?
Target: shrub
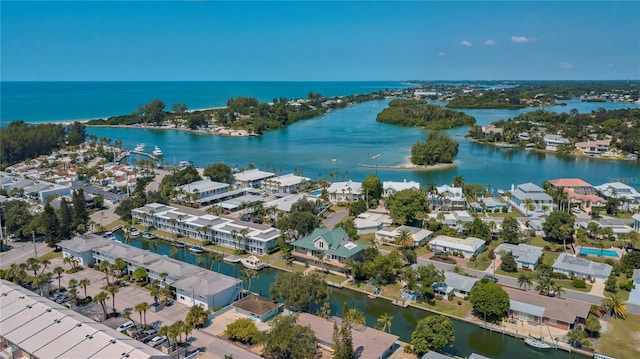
(579, 283)
(504, 209)
(557, 275)
(243, 330)
(91, 265)
(459, 302)
(272, 250)
(206, 242)
(628, 285)
(586, 343)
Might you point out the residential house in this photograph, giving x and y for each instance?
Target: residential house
(258, 308)
(455, 284)
(372, 221)
(334, 246)
(204, 191)
(467, 246)
(418, 235)
(194, 285)
(285, 201)
(526, 256)
(596, 147)
(581, 268)
(491, 204)
(252, 178)
(621, 191)
(617, 226)
(555, 312)
(288, 183)
(32, 326)
(554, 141)
(390, 188)
(636, 222)
(528, 192)
(447, 198)
(634, 296)
(228, 232)
(368, 342)
(345, 192)
(579, 192)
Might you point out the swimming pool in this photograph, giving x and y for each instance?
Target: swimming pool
(598, 252)
(316, 193)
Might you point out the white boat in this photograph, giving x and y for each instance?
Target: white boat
(252, 262)
(232, 259)
(157, 151)
(178, 244)
(196, 249)
(537, 343)
(139, 147)
(148, 235)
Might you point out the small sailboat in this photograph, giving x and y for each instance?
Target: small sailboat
(157, 151)
(538, 343)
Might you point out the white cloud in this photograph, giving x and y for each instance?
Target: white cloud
(522, 39)
(442, 54)
(466, 43)
(490, 42)
(566, 65)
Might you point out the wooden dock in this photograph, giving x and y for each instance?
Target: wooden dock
(401, 303)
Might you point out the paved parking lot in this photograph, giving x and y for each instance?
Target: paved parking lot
(19, 252)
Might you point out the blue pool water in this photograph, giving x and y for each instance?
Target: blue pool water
(598, 252)
(316, 193)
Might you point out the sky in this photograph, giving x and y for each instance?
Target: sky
(319, 41)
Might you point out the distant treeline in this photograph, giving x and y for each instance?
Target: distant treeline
(419, 113)
(20, 141)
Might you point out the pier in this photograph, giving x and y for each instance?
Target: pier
(124, 154)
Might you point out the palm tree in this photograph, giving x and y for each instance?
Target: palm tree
(320, 256)
(524, 281)
(126, 313)
(234, 234)
(73, 283)
(165, 331)
(557, 289)
(58, 271)
(113, 290)
(244, 232)
(84, 283)
(405, 239)
(214, 257)
(101, 299)
(173, 252)
(615, 306)
(353, 315)
(458, 181)
(385, 319)
(155, 290)
(45, 263)
(528, 203)
(249, 274)
(142, 308)
(105, 267)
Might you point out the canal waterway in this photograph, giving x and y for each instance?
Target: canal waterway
(352, 136)
(469, 338)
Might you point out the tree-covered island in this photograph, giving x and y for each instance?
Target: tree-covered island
(241, 113)
(438, 148)
(420, 113)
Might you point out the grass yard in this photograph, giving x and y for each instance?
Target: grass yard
(621, 339)
(281, 264)
(448, 307)
(483, 261)
(51, 255)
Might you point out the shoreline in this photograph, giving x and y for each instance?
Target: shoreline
(410, 166)
(214, 131)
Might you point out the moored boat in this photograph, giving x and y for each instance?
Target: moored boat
(139, 147)
(178, 244)
(148, 235)
(252, 262)
(196, 249)
(157, 151)
(537, 343)
(232, 259)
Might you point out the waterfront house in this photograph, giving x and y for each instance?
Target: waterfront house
(617, 226)
(418, 235)
(448, 198)
(522, 193)
(203, 191)
(579, 192)
(32, 326)
(288, 183)
(555, 312)
(369, 342)
(345, 192)
(467, 246)
(491, 204)
(194, 285)
(334, 245)
(526, 256)
(581, 268)
(224, 231)
(596, 147)
(621, 191)
(634, 296)
(636, 222)
(390, 188)
(252, 178)
(554, 141)
(284, 202)
(455, 284)
(258, 308)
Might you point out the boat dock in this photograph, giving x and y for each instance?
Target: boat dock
(401, 303)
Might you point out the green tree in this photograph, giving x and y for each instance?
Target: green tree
(298, 291)
(357, 207)
(178, 108)
(509, 263)
(58, 272)
(84, 283)
(101, 298)
(154, 112)
(300, 221)
(342, 341)
(66, 219)
(558, 227)
(593, 324)
(385, 320)
(197, 316)
(405, 239)
(286, 339)
(438, 148)
(435, 332)
(576, 335)
(611, 284)
(16, 216)
(510, 232)
(243, 330)
(372, 188)
(480, 229)
(219, 172)
(139, 274)
(50, 225)
(142, 308)
(76, 134)
(98, 201)
(408, 206)
(80, 215)
(489, 300)
(524, 281)
(350, 227)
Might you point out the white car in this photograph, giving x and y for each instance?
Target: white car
(156, 341)
(125, 326)
(576, 209)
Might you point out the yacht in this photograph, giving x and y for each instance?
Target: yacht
(157, 151)
(139, 147)
(148, 235)
(252, 262)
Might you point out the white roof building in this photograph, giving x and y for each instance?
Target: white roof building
(389, 187)
(619, 190)
(345, 191)
(205, 188)
(288, 183)
(582, 268)
(467, 246)
(38, 327)
(284, 203)
(418, 235)
(526, 256)
(369, 222)
(252, 178)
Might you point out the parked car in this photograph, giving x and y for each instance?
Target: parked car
(575, 209)
(157, 341)
(14, 238)
(440, 253)
(126, 326)
(137, 333)
(492, 278)
(62, 298)
(147, 335)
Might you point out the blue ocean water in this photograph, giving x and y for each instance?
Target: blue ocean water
(64, 101)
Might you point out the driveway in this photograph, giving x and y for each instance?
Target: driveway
(19, 252)
(334, 218)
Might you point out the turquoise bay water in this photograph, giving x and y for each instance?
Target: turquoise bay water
(598, 252)
(63, 101)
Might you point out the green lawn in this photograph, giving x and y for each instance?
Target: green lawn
(281, 264)
(449, 307)
(622, 338)
(483, 262)
(51, 255)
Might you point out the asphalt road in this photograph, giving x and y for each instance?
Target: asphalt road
(19, 252)
(334, 218)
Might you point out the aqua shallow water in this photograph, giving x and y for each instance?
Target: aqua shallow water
(598, 252)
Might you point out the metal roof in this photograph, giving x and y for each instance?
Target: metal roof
(526, 308)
